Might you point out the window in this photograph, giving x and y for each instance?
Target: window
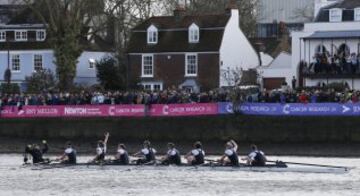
(156, 86)
(343, 51)
(38, 62)
(152, 35)
(357, 14)
(20, 35)
(191, 65)
(320, 49)
(335, 15)
(15, 63)
(194, 34)
(147, 87)
(2, 36)
(147, 66)
(92, 64)
(40, 35)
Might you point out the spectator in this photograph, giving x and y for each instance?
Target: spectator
(293, 83)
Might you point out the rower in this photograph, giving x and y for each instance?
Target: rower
(101, 150)
(122, 156)
(69, 156)
(230, 157)
(147, 153)
(36, 152)
(197, 155)
(172, 156)
(256, 157)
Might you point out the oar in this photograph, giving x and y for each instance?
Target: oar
(310, 164)
(212, 161)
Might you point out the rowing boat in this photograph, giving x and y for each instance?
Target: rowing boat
(205, 167)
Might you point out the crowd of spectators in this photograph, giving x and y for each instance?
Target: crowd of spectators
(306, 96)
(179, 97)
(324, 63)
(135, 97)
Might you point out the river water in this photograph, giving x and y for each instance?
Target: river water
(18, 180)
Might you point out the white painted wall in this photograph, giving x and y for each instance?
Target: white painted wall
(266, 59)
(236, 50)
(85, 75)
(280, 67)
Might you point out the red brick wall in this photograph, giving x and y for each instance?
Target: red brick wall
(170, 69)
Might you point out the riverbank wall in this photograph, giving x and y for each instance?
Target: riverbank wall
(278, 132)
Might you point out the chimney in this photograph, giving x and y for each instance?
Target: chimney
(232, 5)
(233, 10)
(180, 10)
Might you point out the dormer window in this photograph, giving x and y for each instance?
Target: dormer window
(152, 35)
(40, 35)
(194, 34)
(2, 36)
(21, 35)
(357, 14)
(335, 15)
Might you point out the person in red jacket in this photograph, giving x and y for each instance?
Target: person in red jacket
(303, 98)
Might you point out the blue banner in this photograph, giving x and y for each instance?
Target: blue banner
(291, 109)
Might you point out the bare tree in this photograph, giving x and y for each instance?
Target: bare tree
(68, 23)
(247, 10)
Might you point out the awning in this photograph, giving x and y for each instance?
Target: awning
(334, 34)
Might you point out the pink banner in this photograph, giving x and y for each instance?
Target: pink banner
(184, 109)
(109, 111)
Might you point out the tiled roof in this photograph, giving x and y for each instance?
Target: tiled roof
(171, 22)
(346, 5)
(173, 34)
(334, 34)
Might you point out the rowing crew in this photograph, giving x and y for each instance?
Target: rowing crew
(147, 155)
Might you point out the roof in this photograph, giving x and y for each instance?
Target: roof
(334, 34)
(347, 6)
(173, 34)
(170, 22)
(95, 47)
(283, 60)
(21, 26)
(25, 19)
(344, 4)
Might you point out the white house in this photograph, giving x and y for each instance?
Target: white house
(329, 47)
(24, 49)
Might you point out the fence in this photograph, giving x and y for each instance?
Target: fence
(198, 109)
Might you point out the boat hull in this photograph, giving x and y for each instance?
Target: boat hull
(244, 168)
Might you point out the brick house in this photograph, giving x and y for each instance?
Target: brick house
(197, 52)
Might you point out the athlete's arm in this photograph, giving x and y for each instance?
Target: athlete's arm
(106, 137)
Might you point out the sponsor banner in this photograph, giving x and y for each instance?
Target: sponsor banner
(31, 111)
(72, 111)
(184, 109)
(108, 110)
(293, 109)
